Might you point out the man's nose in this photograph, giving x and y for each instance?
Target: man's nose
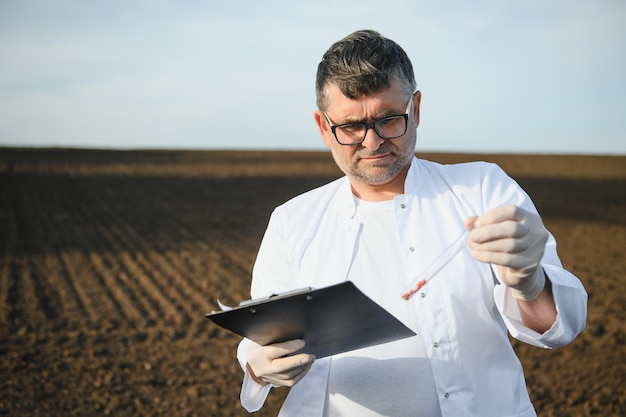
(372, 140)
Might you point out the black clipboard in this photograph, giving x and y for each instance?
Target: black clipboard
(331, 320)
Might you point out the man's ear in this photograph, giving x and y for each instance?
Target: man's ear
(417, 99)
(323, 127)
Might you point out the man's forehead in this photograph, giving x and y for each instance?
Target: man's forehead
(392, 95)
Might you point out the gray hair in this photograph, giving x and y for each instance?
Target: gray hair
(363, 63)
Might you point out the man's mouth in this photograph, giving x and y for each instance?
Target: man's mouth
(375, 157)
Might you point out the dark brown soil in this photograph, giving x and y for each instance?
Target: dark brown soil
(109, 261)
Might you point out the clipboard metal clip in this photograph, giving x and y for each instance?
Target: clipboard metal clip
(291, 293)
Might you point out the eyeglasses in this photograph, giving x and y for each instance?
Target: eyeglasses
(389, 127)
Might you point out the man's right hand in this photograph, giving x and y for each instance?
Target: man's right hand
(270, 365)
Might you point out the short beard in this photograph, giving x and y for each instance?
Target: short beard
(381, 177)
(387, 175)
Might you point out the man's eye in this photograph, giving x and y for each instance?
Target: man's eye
(389, 121)
(352, 128)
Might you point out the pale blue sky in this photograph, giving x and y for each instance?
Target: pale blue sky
(529, 76)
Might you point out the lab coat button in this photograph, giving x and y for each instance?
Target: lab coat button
(446, 395)
(435, 345)
(423, 295)
(402, 205)
(411, 249)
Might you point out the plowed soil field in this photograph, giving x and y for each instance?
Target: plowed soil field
(110, 259)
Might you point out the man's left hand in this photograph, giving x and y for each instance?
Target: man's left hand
(513, 239)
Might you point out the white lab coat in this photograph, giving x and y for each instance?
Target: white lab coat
(463, 313)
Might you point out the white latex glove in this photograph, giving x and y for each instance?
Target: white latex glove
(269, 365)
(514, 240)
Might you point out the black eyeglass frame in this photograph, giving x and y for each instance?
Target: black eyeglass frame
(371, 125)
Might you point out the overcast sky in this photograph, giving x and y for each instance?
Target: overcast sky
(529, 76)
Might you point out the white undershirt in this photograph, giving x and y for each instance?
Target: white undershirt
(392, 379)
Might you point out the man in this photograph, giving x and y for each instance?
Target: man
(379, 226)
